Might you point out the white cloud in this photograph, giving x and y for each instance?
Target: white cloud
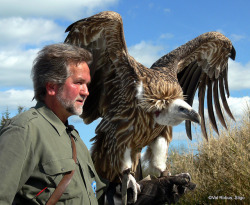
(60, 9)
(220, 31)
(145, 53)
(238, 106)
(167, 10)
(237, 37)
(166, 36)
(18, 32)
(15, 68)
(17, 35)
(11, 99)
(238, 75)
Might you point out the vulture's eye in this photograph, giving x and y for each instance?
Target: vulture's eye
(181, 109)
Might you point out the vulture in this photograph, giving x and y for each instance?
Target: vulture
(138, 106)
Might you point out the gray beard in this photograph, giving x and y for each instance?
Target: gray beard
(68, 105)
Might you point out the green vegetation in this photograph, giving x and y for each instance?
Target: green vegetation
(6, 115)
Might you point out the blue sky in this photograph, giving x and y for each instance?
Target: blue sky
(152, 29)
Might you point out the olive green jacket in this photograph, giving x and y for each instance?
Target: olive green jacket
(35, 152)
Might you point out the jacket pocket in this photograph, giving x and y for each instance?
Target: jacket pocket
(55, 171)
(59, 166)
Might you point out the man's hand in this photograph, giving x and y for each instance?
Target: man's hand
(162, 190)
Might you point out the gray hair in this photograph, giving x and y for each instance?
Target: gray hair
(51, 65)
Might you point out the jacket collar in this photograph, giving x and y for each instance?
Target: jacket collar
(50, 116)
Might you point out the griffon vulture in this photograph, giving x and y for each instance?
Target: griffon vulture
(140, 105)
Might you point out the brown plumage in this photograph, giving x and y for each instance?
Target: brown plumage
(133, 101)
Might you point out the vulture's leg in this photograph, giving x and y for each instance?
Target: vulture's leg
(128, 180)
(156, 155)
(125, 186)
(110, 193)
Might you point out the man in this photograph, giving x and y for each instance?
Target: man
(35, 148)
(39, 151)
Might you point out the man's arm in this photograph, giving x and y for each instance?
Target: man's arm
(14, 159)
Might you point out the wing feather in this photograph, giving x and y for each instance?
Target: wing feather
(183, 74)
(201, 96)
(208, 52)
(225, 78)
(189, 78)
(188, 129)
(223, 98)
(210, 105)
(190, 92)
(217, 104)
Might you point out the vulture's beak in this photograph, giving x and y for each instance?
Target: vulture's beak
(194, 116)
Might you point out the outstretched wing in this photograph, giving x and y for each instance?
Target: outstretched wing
(111, 71)
(199, 64)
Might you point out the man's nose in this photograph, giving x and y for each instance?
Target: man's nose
(84, 90)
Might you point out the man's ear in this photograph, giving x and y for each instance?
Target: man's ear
(51, 88)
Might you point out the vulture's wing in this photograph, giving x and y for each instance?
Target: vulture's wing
(113, 77)
(112, 88)
(199, 64)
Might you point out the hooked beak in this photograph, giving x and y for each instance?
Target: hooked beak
(194, 116)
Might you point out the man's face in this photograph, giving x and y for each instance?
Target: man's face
(74, 92)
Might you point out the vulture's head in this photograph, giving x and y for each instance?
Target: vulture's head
(176, 112)
(166, 103)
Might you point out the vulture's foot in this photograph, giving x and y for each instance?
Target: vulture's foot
(163, 190)
(185, 175)
(130, 184)
(165, 173)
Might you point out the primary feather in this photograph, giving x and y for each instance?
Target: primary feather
(138, 105)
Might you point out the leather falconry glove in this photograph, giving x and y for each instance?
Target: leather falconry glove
(162, 190)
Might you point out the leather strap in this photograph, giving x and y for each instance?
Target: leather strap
(65, 180)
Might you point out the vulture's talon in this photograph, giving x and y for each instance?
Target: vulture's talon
(185, 175)
(165, 173)
(131, 183)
